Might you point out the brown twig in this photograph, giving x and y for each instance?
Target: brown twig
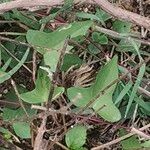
(7, 21)
(19, 99)
(14, 41)
(144, 91)
(39, 140)
(61, 57)
(62, 146)
(34, 67)
(38, 144)
(104, 4)
(120, 139)
(143, 33)
(4, 143)
(140, 133)
(28, 3)
(9, 103)
(124, 14)
(120, 36)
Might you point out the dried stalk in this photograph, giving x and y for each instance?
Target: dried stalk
(120, 139)
(104, 4)
(117, 35)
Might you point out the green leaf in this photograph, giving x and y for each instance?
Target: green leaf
(70, 60)
(146, 144)
(105, 108)
(32, 23)
(102, 15)
(95, 36)
(93, 49)
(12, 114)
(6, 132)
(57, 92)
(51, 58)
(86, 95)
(41, 92)
(48, 18)
(103, 39)
(127, 46)
(75, 138)
(121, 26)
(105, 76)
(56, 38)
(3, 1)
(136, 46)
(22, 129)
(66, 7)
(144, 105)
(132, 143)
(11, 95)
(99, 38)
(87, 16)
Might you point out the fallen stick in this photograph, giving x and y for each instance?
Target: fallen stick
(120, 138)
(117, 35)
(27, 3)
(104, 4)
(124, 14)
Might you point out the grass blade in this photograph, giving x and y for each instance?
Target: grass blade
(135, 87)
(5, 76)
(6, 65)
(124, 92)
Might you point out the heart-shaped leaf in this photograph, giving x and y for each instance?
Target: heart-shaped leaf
(93, 49)
(99, 38)
(41, 92)
(70, 60)
(121, 26)
(103, 105)
(85, 97)
(22, 129)
(131, 143)
(51, 58)
(105, 108)
(53, 39)
(108, 74)
(49, 43)
(76, 137)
